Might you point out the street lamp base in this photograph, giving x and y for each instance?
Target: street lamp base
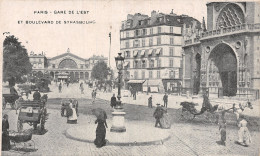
(118, 124)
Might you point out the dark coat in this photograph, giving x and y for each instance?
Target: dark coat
(36, 96)
(165, 98)
(113, 101)
(158, 113)
(5, 136)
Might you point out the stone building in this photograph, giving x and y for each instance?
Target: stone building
(152, 47)
(68, 66)
(225, 57)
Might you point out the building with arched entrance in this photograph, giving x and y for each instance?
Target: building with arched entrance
(68, 66)
(224, 58)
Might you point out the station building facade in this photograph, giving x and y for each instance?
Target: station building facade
(66, 66)
(225, 57)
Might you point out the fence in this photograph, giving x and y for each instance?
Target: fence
(243, 93)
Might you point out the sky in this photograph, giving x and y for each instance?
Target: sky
(87, 39)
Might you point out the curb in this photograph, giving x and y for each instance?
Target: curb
(156, 142)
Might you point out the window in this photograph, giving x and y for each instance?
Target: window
(143, 74)
(159, 30)
(143, 42)
(136, 75)
(53, 66)
(127, 44)
(158, 74)
(171, 62)
(136, 64)
(143, 64)
(151, 64)
(144, 31)
(81, 66)
(171, 29)
(171, 51)
(149, 22)
(150, 41)
(137, 33)
(40, 60)
(158, 40)
(87, 66)
(151, 31)
(136, 43)
(158, 63)
(127, 34)
(127, 53)
(140, 22)
(171, 41)
(150, 74)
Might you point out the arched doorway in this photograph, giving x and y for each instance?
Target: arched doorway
(196, 78)
(222, 69)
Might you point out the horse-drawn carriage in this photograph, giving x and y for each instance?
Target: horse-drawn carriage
(33, 113)
(211, 113)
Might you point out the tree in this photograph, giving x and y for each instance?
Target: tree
(16, 60)
(100, 71)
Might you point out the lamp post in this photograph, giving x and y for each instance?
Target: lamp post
(118, 114)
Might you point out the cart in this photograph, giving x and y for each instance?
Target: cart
(32, 113)
(11, 99)
(21, 139)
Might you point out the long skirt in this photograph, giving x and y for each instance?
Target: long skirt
(244, 136)
(165, 121)
(5, 142)
(100, 135)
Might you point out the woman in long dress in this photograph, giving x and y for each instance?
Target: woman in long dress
(165, 120)
(5, 134)
(72, 117)
(244, 137)
(100, 140)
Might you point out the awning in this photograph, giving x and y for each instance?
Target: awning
(142, 52)
(152, 83)
(135, 53)
(158, 51)
(150, 52)
(136, 81)
(126, 63)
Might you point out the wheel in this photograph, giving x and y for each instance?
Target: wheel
(187, 115)
(210, 117)
(4, 103)
(184, 114)
(19, 125)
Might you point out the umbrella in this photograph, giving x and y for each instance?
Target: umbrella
(100, 113)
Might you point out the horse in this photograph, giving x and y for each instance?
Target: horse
(237, 109)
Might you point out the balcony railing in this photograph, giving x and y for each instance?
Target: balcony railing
(224, 31)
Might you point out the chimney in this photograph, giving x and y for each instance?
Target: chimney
(153, 13)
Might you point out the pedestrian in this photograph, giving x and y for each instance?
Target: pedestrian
(94, 93)
(165, 120)
(36, 95)
(67, 84)
(134, 94)
(113, 101)
(165, 100)
(244, 137)
(222, 130)
(100, 140)
(158, 114)
(60, 87)
(81, 88)
(5, 134)
(150, 102)
(105, 88)
(71, 114)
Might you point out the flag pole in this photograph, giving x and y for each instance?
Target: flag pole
(109, 48)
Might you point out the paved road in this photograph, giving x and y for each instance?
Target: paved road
(187, 138)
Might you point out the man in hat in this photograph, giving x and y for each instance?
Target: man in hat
(158, 114)
(165, 100)
(36, 95)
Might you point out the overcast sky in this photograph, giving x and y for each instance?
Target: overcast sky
(83, 40)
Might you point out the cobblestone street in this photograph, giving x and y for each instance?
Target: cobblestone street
(187, 138)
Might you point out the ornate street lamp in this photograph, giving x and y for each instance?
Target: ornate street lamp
(118, 114)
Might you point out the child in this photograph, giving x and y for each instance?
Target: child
(222, 129)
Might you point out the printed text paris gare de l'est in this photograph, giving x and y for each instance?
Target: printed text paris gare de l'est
(62, 12)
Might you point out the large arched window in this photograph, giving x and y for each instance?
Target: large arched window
(68, 63)
(230, 15)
